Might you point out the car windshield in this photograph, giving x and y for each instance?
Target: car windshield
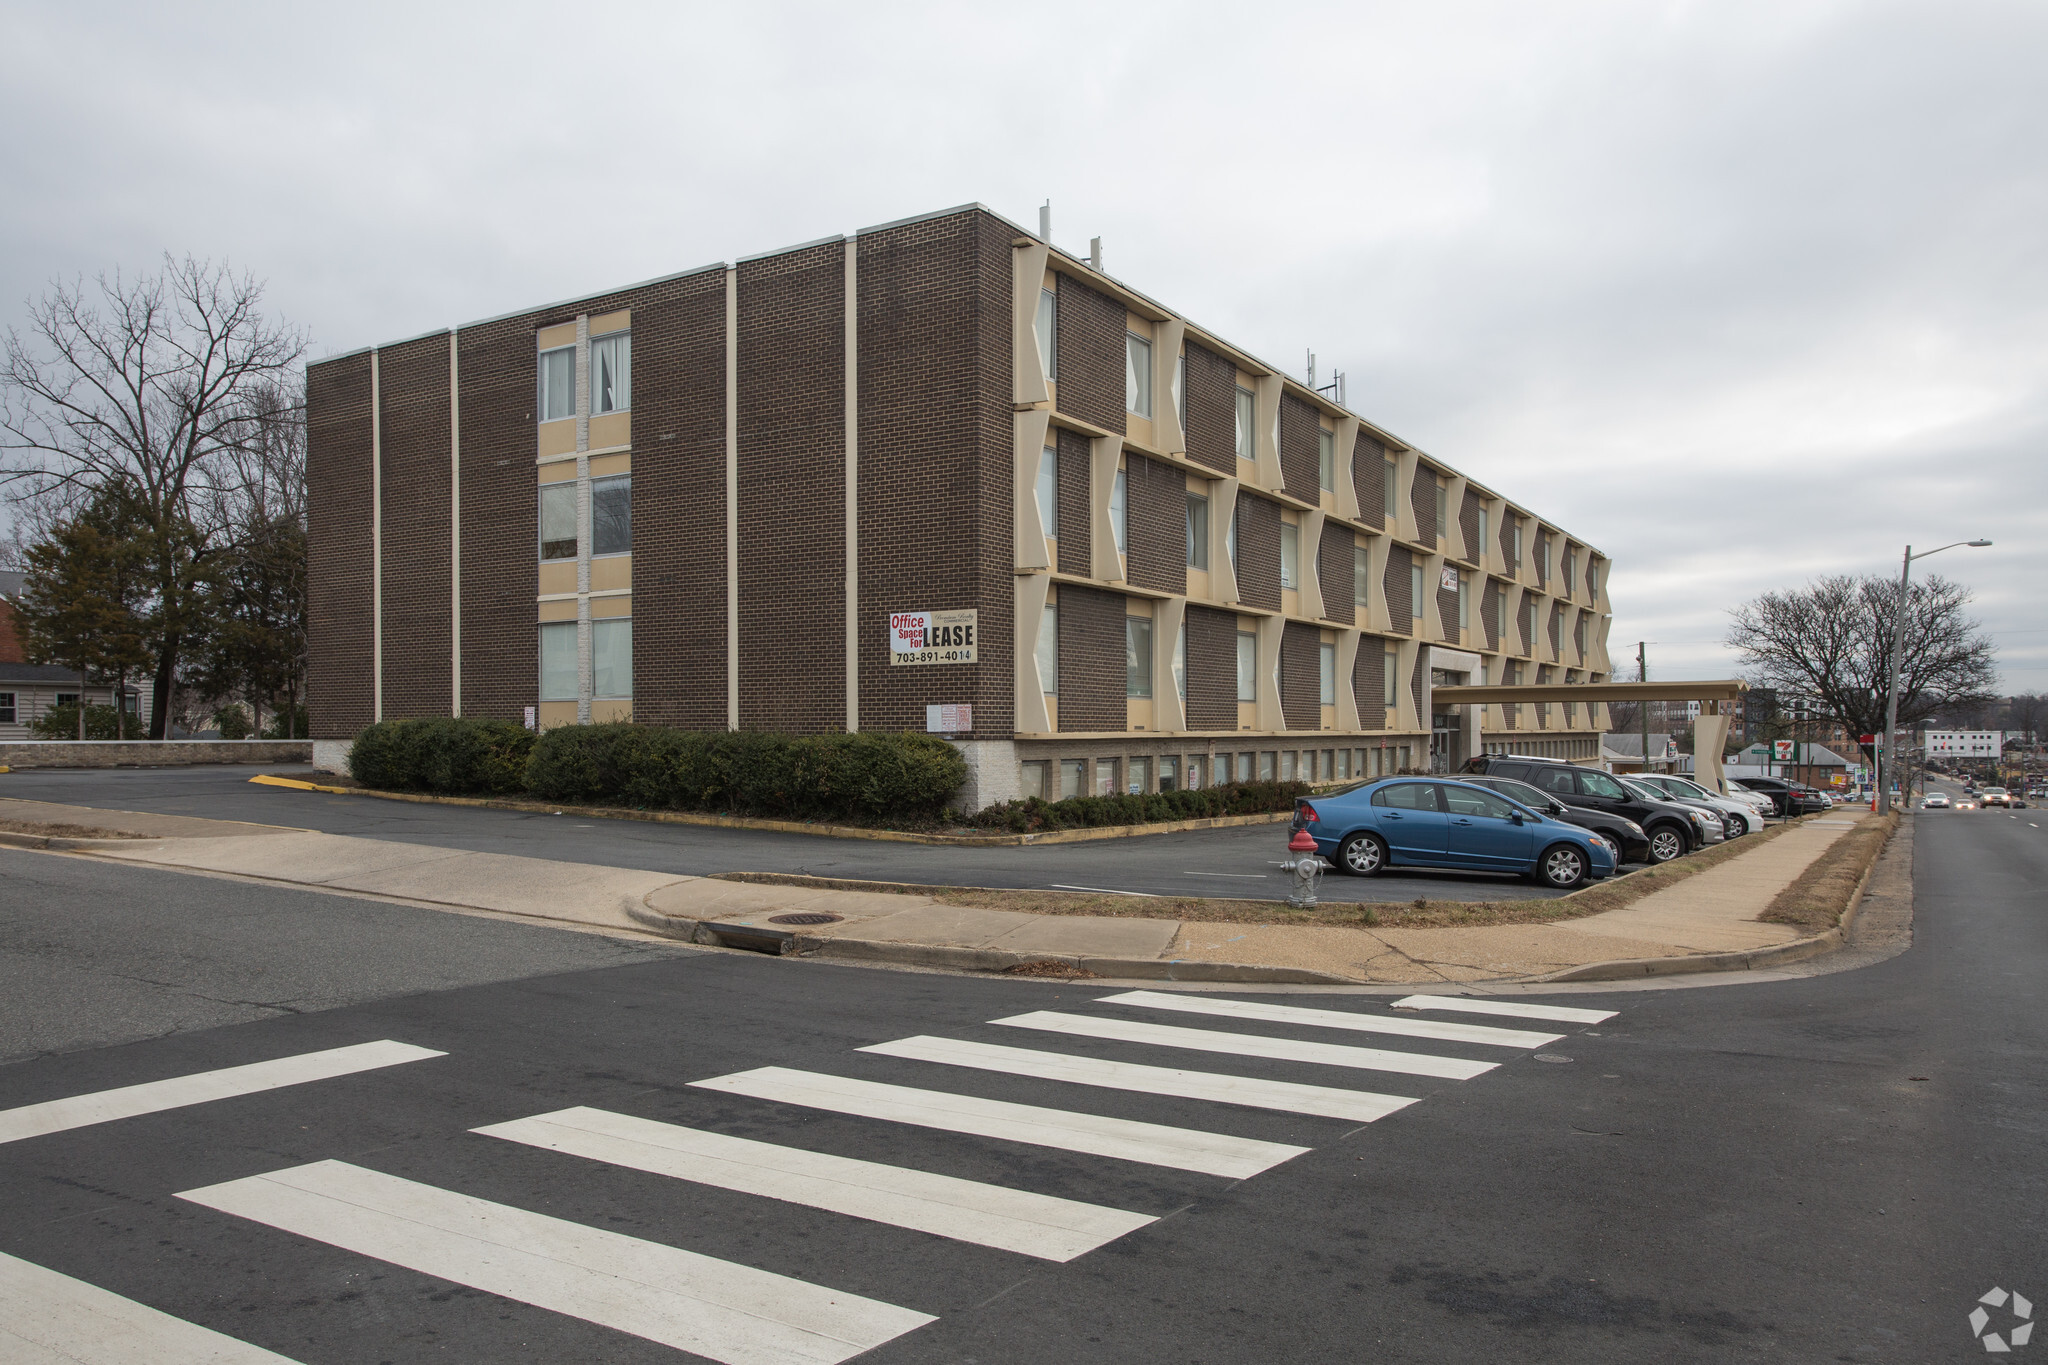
(1646, 793)
(1516, 791)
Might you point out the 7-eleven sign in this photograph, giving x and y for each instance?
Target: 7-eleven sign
(1783, 750)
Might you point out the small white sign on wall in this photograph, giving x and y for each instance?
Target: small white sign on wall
(949, 718)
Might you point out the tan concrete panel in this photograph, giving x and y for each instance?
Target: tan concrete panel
(611, 464)
(1028, 279)
(611, 572)
(1031, 432)
(605, 323)
(1138, 713)
(548, 338)
(558, 437)
(1034, 708)
(553, 713)
(559, 471)
(610, 606)
(557, 577)
(561, 609)
(611, 429)
(603, 712)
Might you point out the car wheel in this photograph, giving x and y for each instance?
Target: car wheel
(1562, 866)
(1362, 855)
(1666, 843)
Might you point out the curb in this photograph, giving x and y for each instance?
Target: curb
(58, 843)
(677, 817)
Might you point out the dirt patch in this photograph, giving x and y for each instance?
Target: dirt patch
(58, 829)
(1420, 913)
(1052, 967)
(1817, 899)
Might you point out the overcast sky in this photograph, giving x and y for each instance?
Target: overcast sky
(1742, 293)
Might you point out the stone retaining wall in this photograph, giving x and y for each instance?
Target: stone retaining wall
(175, 753)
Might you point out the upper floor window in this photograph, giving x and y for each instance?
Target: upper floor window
(1415, 589)
(1120, 511)
(611, 515)
(1047, 329)
(1443, 511)
(6, 708)
(1361, 575)
(1592, 579)
(1247, 666)
(1245, 408)
(1180, 661)
(1390, 480)
(1571, 571)
(1137, 656)
(1137, 374)
(558, 383)
(1390, 672)
(1327, 670)
(1049, 490)
(1326, 461)
(1518, 545)
(558, 521)
(1290, 555)
(611, 373)
(1049, 650)
(1198, 531)
(1478, 551)
(1464, 601)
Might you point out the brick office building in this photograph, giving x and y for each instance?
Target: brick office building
(934, 464)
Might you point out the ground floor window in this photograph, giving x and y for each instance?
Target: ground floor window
(1031, 778)
(6, 708)
(611, 657)
(1266, 762)
(1073, 777)
(1105, 777)
(1140, 776)
(1169, 773)
(558, 661)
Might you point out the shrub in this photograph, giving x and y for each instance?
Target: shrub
(61, 722)
(859, 776)
(1087, 812)
(232, 721)
(442, 755)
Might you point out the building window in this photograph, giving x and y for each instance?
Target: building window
(1049, 650)
(1266, 759)
(1105, 777)
(1072, 776)
(1137, 374)
(558, 383)
(1047, 329)
(1290, 555)
(1328, 661)
(1392, 670)
(1230, 534)
(1180, 662)
(1049, 490)
(1415, 589)
(1198, 531)
(1120, 510)
(1571, 572)
(1464, 601)
(1500, 619)
(1137, 656)
(1245, 448)
(1478, 552)
(1361, 575)
(1592, 579)
(611, 656)
(1326, 461)
(1140, 775)
(1031, 777)
(1170, 773)
(1390, 479)
(611, 373)
(6, 708)
(1180, 390)
(1287, 766)
(558, 661)
(1247, 666)
(558, 520)
(1518, 545)
(611, 515)
(1443, 511)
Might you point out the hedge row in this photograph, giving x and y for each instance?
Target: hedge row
(1085, 812)
(860, 776)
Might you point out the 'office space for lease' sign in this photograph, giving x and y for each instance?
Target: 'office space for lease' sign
(931, 637)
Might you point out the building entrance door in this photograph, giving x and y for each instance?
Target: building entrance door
(1446, 741)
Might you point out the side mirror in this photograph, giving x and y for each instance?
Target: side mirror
(1516, 817)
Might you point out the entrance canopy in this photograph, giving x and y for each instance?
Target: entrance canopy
(1710, 728)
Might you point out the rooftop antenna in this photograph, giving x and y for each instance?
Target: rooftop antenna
(1311, 369)
(1095, 253)
(1045, 221)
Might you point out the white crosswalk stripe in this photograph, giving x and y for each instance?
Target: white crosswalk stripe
(104, 1106)
(966, 1210)
(1340, 1019)
(1250, 1045)
(51, 1319)
(1361, 1106)
(727, 1312)
(1155, 1144)
(1563, 1014)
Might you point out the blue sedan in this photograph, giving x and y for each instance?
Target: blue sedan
(1418, 822)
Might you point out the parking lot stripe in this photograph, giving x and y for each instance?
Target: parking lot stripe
(104, 1106)
(726, 1312)
(48, 1317)
(1250, 1045)
(1154, 1144)
(966, 1210)
(1341, 1019)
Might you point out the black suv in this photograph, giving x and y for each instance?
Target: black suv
(1673, 830)
(1787, 798)
(1625, 834)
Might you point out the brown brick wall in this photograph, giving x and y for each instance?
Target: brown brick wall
(1092, 677)
(1468, 523)
(500, 517)
(1369, 682)
(1258, 551)
(1212, 669)
(1077, 525)
(792, 490)
(1301, 681)
(1556, 628)
(1579, 635)
(937, 466)
(679, 514)
(1369, 479)
(1422, 497)
(1156, 515)
(1300, 462)
(1333, 569)
(417, 625)
(1091, 357)
(1507, 542)
(1212, 410)
(1399, 585)
(338, 599)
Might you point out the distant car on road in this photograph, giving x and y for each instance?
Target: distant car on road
(1966, 803)
(1994, 796)
(1934, 801)
(1367, 828)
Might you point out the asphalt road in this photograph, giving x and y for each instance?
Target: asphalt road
(1218, 862)
(1832, 1167)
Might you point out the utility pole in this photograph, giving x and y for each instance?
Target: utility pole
(1643, 706)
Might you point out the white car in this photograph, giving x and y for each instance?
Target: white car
(1934, 801)
(1756, 800)
(1737, 817)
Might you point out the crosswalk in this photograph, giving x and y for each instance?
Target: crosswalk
(723, 1309)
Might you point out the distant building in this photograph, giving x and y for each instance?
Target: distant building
(1955, 745)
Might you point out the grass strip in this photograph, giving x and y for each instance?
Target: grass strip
(1816, 900)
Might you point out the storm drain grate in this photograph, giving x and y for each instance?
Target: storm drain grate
(804, 918)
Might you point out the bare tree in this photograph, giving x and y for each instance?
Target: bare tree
(1831, 642)
(2027, 713)
(153, 386)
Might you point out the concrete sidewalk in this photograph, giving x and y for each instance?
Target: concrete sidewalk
(1712, 912)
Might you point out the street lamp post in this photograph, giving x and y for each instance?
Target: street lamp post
(1888, 760)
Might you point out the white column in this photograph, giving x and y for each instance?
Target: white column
(732, 498)
(851, 420)
(454, 524)
(376, 539)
